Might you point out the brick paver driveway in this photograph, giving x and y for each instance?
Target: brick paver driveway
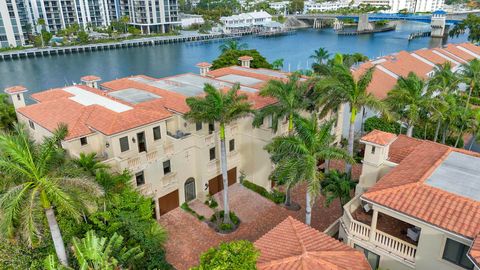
(188, 237)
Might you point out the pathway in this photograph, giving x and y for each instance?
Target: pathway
(189, 237)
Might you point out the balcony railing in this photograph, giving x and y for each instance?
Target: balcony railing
(378, 239)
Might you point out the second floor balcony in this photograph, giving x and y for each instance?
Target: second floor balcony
(380, 232)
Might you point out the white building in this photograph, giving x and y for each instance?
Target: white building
(148, 15)
(408, 5)
(245, 21)
(312, 6)
(189, 20)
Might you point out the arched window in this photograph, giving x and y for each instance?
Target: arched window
(190, 193)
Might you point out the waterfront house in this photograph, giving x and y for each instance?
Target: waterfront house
(417, 205)
(294, 245)
(245, 21)
(137, 123)
(387, 69)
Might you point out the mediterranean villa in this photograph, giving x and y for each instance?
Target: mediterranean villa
(416, 205)
(136, 123)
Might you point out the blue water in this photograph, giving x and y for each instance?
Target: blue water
(42, 73)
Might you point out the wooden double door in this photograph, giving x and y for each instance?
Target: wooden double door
(168, 202)
(215, 184)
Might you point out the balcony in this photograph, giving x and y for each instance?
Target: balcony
(178, 134)
(380, 232)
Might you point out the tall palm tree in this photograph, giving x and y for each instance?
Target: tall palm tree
(340, 87)
(301, 154)
(290, 96)
(36, 187)
(221, 107)
(407, 99)
(232, 45)
(320, 56)
(337, 185)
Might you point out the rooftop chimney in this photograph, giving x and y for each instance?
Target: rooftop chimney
(245, 60)
(204, 68)
(16, 95)
(91, 80)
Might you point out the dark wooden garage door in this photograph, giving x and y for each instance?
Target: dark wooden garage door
(168, 202)
(216, 184)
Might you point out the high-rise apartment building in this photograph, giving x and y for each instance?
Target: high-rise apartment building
(18, 18)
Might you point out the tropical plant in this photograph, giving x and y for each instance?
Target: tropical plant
(220, 107)
(239, 254)
(230, 58)
(470, 74)
(301, 154)
(232, 45)
(472, 24)
(277, 64)
(90, 163)
(8, 116)
(340, 87)
(407, 99)
(41, 22)
(290, 97)
(99, 253)
(33, 188)
(337, 185)
(320, 55)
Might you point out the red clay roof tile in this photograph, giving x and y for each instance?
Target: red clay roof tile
(379, 137)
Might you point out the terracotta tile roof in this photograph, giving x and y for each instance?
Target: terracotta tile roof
(379, 137)
(403, 189)
(51, 94)
(15, 89)
(245, 58)
(242, 72)
(474, 252)
(403, 63)
(469, 46)
(294, 245)
(204, 64)
(381, 81)
(431, 56)
(402, 147)
(90, 78)
(452, 48)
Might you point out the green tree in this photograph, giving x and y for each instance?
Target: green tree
(407, 99)
(34, 188)
(41, 22)
(8, 116)
(470, 74)
(125, 20)
(472, 24)
(239, 254)
(320, 55)
(90, 163)
(337, 185)
(290, 96)
(301, 154)
(340, 87)
(232, 45)
(99, 253)
(220, 107)
(230, 58)
(278, 64)
(296, 6)
(82, 37)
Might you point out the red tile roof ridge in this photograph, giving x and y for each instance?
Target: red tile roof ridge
(309, 255)
(474, 252)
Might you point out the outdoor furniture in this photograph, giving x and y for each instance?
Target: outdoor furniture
(413, 233)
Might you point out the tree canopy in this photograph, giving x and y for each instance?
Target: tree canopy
(232, 255)
(230, 58)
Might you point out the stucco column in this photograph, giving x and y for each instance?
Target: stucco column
(373, 227)
(157, 209)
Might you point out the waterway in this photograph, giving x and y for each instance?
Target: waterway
(42, 73)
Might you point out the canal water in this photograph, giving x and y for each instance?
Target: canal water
(42, 73)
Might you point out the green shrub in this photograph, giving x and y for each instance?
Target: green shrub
(240, 255)
(226, 227)
(211, 202)
(275, 196)
(187, 208)
(380, 124)
(233, 217)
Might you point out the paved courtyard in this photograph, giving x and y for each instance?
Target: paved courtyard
(188, 237)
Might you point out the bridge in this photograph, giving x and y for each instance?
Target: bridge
(451, 18)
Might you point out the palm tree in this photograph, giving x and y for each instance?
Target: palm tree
(337, 185)
(290, 96)
(96, 253)
(407, 99)
(301, 153)
(8, 116)
(41, 22)
(35, 187)
(222, 107)
(232, 45)
(470, 74)
(90, 163)
(340, 87)
(320, 56)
